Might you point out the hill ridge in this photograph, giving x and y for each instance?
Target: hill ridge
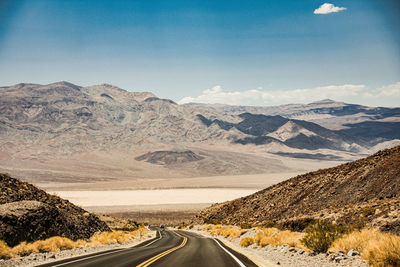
(368, 180)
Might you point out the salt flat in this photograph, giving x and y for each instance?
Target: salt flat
(152, 197)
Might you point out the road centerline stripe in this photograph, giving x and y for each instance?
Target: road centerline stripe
(162, 254)
(230, 254)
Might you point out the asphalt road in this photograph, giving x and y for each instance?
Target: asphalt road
(172, 248)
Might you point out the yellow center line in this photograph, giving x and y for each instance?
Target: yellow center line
(162, 254)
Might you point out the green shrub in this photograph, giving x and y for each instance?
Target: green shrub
(320, 235)
(296, 225)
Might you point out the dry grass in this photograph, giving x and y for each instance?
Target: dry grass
(379, 249)
(265, 236)
(57, 243)
(226, 231)
(5, 251)
(275, 237)
(246, 241)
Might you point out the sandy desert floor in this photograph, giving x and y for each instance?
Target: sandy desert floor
(152, 197)
(107, 184)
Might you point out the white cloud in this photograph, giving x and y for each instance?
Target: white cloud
(328, 8)
(259, 97)
(391, 90)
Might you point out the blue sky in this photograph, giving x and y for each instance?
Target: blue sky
(240, 52)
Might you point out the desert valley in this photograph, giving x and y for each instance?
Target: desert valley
(142, 159)
(94, 144)
(199, 133)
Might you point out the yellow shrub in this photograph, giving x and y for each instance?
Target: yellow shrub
(120, 237)
(5, 251)
(24, 249)
(57, 243)
(54, 244)
(275, 237)
(226, 231)
(246, 241)
(379, 249)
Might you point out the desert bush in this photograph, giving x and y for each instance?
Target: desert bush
(54, 244)
(226, 231)
(296, 225)
(275, 237)
(320, 236)
(379, 249)
(246, 241)
(107, 238)
(57, 243)
(5, 251)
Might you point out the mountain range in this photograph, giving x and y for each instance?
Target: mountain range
(327, 113)
(60, 130)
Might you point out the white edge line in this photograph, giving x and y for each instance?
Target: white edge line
(65, 263)
(230, 254)
(154, 240)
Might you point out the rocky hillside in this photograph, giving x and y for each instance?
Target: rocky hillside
(28, 214)
(365, 191)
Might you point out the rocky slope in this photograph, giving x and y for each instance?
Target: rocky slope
(28, 214)
(365, 191)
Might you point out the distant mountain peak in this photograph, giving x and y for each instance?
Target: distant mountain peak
(64, 83)
(324, 101)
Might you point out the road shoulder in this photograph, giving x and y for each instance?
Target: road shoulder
(36, 259)
(249, 254)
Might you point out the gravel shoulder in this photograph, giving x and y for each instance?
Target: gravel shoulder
(35, 259)
(285, 255)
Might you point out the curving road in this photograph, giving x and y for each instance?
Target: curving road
(169, 248)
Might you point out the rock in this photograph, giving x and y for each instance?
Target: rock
(353, 253)
(337, 257)
(29, 214)
(312, 253)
